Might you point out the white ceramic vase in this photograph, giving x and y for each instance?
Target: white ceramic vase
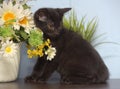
(9, 67)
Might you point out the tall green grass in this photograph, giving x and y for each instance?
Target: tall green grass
(87, 30)
(1, 1)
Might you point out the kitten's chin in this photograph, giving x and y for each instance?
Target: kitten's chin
(53, 35)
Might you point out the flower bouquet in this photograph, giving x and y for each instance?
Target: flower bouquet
(17, 26)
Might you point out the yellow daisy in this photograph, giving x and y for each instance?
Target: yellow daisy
(9, 12)
(8, 49)
(27, 21)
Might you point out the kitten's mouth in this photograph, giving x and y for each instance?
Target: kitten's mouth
(52, 33)
(51, 28)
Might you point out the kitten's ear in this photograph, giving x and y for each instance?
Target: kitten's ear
(42, 17)
(63, 10)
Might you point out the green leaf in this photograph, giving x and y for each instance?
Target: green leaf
(25, 6)
(6, 31)
(1, 1)
(24, 35)
(96, 37)
(36, 38)
(20, 35)
(100, 43)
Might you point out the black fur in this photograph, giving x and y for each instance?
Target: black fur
(76, 60)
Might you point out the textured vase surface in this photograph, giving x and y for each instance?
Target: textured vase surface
(9, 67)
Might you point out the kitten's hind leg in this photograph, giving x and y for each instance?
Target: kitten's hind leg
(75, 79)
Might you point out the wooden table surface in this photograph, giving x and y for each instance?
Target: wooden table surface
(19, 84)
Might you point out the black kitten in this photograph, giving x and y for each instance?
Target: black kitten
(76, 60)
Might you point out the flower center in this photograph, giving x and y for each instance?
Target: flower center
(24, 21)
(8, 16)
(8, 49)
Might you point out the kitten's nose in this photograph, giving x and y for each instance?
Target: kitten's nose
(51, 26)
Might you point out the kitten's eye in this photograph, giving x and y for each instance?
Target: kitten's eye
(42, 17)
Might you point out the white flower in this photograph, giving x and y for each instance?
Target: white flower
(51, 52)
(10, 11)
(27, 21)
(8, 49)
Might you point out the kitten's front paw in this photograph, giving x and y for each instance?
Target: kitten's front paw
(66, 82)
(33, 79)
(39, 80)
(30, 79)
